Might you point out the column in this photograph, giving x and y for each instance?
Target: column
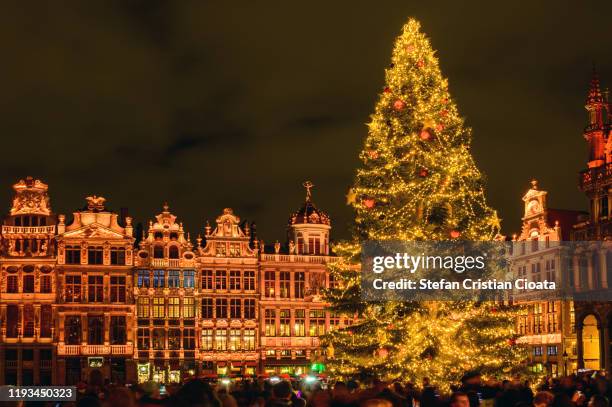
(602, 268)
(590, 271)
(576, 269)
(106, 328)
(579, 346)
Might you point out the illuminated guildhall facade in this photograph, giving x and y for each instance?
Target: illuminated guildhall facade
(84, 297)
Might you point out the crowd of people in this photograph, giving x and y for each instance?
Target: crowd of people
(583, 390)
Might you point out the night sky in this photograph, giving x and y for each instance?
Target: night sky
(209, 105)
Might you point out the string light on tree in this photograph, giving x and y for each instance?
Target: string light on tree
(418, 190)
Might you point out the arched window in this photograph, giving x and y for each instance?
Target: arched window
(12, 316)
(158, 235)
(173, 252)
(590, 343)
(158, 252)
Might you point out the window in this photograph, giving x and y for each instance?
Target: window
(207, 339)
(72, 289)
(537, 351)
(173, 278)
(284, 284)
(95, 330)
(300, 243)
(173, 252)
(117, 330)
(270, 322)
(95, 255)
(207, 280)
(298, 279)
(188, 307)
(269, 283)
(117, 288)
(317, 322)
(249, 308)
(234, 339)
(189, 338)
(188, 278)
(174, 338)
(28, 283)
(249, 281)
(299, 323)
(12, 284)
(143, 338)
(603, 206)
(95, 287)
(158, 307)
(249, 339)
(235, 308)
(143, 307)
(73, 255)
(72, 330)
(159, 337)
(207, 308)
(173, 307)
(158, 252)
(234, 280)
(221, 339)
(285, 323)
(46, 320)
(159, 280)
(28, 320)
(143, 278)
(221, 280)
(117, 255)
(221, 308)
(552, 350)
(45, 283)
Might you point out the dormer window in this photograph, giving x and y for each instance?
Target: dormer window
(173, 236)
(158, 252)
(173, 252)
(158, 235)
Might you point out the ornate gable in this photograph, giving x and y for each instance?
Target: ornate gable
(228, 239)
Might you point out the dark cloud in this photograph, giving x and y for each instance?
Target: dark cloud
(209, 105)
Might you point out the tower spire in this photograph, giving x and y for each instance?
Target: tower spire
(595, 102)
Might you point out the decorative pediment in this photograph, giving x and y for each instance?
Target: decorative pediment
(228, 225)
(93, 231)
(31, 197)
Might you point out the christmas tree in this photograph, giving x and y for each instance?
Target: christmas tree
(418, 182)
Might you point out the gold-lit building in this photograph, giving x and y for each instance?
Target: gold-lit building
(83, 299)
(546, 323)
(28, 292)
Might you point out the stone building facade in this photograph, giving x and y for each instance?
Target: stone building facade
(84, 299)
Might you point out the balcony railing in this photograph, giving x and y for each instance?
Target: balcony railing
(167, 262)
(74, 350)
(28, 230)
(288, 342)
(298, 258)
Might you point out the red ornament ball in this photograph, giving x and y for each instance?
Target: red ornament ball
(373, 154)
(444, 113)
(383, 353)
(455, 234)
(399, 104)
(425, 135)
(440, 127)
(409, 47)
(421, 63)
(511, 342)
(369, 203)
(387, 90)
(493, 310)
(423, 173)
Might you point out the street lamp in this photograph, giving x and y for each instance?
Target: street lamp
(565, 357)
